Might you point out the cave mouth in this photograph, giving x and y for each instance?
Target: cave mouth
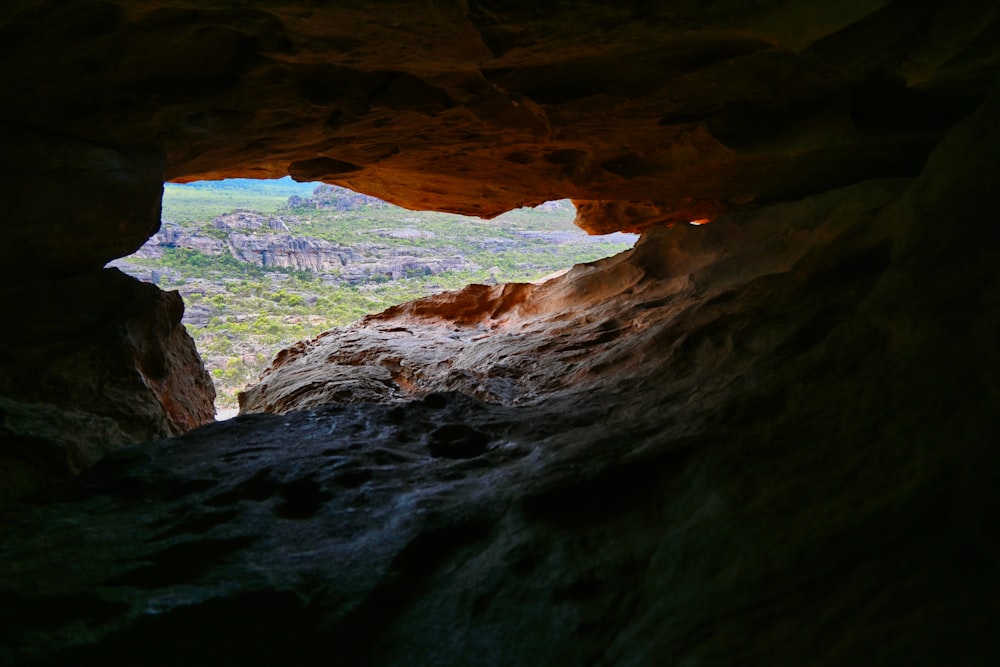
(262, 264)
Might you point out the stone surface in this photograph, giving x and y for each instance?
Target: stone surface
(788, 457)
(90, 359)
(768, 440)
(241, 219)
(642, 112)
(68, 206)
(351, 263)
(520, 343)
(97, 361)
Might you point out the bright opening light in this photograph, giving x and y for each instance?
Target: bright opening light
(262, 264)
(699, 222)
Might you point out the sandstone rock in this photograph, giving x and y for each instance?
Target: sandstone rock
(774, 451)
(172, 235)
(353, 264)
(335, 198)
(290, 252)
(42, 443)
(643, 114)
(108, 351)
(521, 343)
(401, 266)
(770, 443)
(240, 219)
(69, 205)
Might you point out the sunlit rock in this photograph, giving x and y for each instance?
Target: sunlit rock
(758, 441)
(768, 440)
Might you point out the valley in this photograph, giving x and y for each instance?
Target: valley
(263, 264)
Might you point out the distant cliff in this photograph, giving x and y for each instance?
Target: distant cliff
(335, 198)
(251, 237)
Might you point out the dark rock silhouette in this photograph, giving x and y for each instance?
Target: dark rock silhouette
(769, 439)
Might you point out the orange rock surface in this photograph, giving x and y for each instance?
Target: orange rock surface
(769, 440)
(643, 113)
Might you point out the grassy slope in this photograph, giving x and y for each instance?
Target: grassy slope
(247, 313)
(200, 202)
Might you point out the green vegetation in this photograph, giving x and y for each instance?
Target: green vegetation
(197, 203)
(240, 313)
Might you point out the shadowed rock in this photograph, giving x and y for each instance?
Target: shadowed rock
(644, 113)
(787, 460)
(768, 440)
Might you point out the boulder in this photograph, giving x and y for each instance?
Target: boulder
(101, 360)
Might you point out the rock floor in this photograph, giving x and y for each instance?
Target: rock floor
(796, 466)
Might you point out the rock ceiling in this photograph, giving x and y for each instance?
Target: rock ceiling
(642, 113)
(770, 440)
(767, 441)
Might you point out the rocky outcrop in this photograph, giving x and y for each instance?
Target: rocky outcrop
(90, 359)
(102, 362)
(399, 264)
(243, 219)
(290, 252)
(336, 199)
(766, 440)
(351, 264)
(173, 235)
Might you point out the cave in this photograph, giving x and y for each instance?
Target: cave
(760, 440)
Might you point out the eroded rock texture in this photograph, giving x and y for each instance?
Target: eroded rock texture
(579, 332)
(91, 363)
(643, 112)
(772, 443)
(768, 440)
(90, 359)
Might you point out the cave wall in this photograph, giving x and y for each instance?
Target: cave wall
(90, 359)
(97, 361)
(643, 113)
(767, 440)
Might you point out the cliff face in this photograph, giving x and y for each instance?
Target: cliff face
(350, 264)
(766, 440)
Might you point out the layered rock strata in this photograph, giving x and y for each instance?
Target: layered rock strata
(593, 325)
(353, 264)
(754, 442)
(643, 112)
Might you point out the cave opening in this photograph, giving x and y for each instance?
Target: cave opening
(263, 264)
(764, 440)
